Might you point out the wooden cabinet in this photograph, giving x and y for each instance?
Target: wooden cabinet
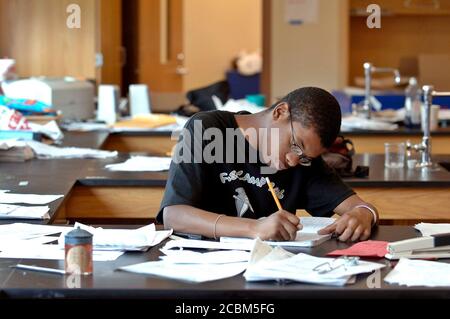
(410, 31)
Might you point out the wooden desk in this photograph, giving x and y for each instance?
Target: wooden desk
(92, 193)
(404, 196)
(157, 143)
(365, 141)
(106, 283)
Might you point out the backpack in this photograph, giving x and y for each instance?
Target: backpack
(339, 156)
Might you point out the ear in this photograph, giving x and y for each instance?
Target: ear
(281, 112)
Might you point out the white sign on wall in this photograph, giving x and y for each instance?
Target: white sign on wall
(299, 12)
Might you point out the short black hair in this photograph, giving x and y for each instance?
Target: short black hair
(317, 108)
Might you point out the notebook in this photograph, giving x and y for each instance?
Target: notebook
(307, 237)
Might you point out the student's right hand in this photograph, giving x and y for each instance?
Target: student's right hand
(279, 226)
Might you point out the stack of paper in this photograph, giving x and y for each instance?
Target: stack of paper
(354, 122)
(24, 212)
(428, 229)
(142, 163)
(123, 239)
(420, 273)
(34, 199)
(306, 237)
(47, 151)
(302, 267)
(423, 247)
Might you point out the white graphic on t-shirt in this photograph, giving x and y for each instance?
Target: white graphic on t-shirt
(242, 202)
(260, 182)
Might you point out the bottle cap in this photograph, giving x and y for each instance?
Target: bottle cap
(78, 236)
(412, 81)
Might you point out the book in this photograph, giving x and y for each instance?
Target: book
(306, 237)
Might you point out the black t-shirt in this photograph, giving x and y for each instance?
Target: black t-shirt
(240, 189)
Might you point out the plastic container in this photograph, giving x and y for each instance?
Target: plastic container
(413, 103)
(78, 252)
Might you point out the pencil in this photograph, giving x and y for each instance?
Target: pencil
(273, 194)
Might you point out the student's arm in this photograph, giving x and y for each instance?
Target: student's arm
(356, 220)
(281, 225)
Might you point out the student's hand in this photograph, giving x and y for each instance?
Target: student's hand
(354, 225)
(280, 226)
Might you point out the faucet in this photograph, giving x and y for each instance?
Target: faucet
(368, 70)
(425, 147)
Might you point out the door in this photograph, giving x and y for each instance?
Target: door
(153, 40)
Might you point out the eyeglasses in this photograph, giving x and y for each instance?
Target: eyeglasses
(343, 261)
(295, 148)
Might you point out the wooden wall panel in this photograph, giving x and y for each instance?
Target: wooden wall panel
(34, 32)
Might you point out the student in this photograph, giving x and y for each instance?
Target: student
(216, 187)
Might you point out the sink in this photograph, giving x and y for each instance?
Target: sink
(445, 165)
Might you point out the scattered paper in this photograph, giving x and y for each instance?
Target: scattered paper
(206, 244)
(369, 248)
(24, 212)
(51, 129)
(122, 239)
(420, 273)
(7, 144)
(303, 268)
(429, 229)
(188, 272)
(33, 199)
(354, 122)
(214, 257)
(23, 231)
(52, 252)
(48, 151)
(142, 163)
(27, 242)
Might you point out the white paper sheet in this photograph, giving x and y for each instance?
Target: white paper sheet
(420, 273)
(214, 257)
(33, 199)
(141, 164)
(52, 252)
(48, 151)
(22, 231)
(27, 242)
(187, 272)
(24, 212)
(428, 229)
(122, 239)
